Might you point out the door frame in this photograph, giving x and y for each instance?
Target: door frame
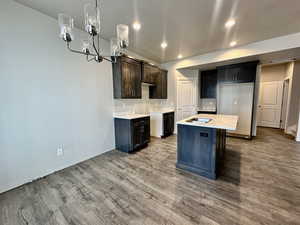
(194, 80)
(286, 90)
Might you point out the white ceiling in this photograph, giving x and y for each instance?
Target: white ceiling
(190, 27)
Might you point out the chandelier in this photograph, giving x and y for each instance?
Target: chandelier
(91, 46)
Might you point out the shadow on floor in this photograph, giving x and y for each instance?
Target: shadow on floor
(230, 171)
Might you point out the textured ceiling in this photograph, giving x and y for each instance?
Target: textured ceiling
(190, 27)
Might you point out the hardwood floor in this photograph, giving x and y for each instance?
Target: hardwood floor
(260, 185)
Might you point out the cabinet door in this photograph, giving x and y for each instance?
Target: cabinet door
(164, 84)
(238, 73)
(221, 75)
(131, 79)
(146, 73)
(208, 84)
(196, 147)
(146, 131)
(233, 74)
(228, 75)
(160, 90)
(168, 120)
(165, 124)
(171, 123)
(247, 73)
(141, 132)
(137, 133)
(149, 73)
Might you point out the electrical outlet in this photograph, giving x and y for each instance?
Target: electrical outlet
(60, 151)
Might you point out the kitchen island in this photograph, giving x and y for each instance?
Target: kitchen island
(201, 143)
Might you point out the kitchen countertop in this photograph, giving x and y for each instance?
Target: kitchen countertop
(219, 121)
(131, 116)
(162, 111)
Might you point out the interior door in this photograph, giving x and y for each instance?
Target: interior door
(270, 103)
(186, 98)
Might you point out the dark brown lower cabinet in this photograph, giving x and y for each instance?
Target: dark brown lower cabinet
(168, 124)
(132, 134)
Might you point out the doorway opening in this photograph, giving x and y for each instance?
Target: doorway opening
(277, 97)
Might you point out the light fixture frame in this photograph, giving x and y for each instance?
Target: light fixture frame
(96, 56)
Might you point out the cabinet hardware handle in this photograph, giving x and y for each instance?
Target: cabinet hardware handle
(203, 134)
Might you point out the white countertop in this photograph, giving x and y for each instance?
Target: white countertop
(130, 116)
(162, 111)
(228, 122)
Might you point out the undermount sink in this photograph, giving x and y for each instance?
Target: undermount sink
(199, 120)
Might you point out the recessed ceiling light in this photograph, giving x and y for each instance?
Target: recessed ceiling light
(230, 23)
(179, 56)
(233, 43)
(164, 44)
(136, 25)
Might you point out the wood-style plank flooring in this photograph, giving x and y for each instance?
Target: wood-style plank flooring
(260, 185)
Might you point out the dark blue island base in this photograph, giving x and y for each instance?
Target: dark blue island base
(200, 150)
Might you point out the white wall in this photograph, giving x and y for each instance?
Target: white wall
(49, 98)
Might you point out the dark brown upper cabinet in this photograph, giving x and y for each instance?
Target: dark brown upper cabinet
(160, 90)
(149, 73)
(208, 83)
(238, 73)
(128, 75)
(127, 78)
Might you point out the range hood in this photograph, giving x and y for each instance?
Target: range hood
(147, 84)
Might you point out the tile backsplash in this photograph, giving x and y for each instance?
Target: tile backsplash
(141, 106)
(208, 104)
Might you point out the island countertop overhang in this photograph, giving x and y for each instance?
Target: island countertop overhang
(218, 121)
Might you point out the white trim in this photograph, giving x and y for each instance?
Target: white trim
(290, 78)
(256, 99)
